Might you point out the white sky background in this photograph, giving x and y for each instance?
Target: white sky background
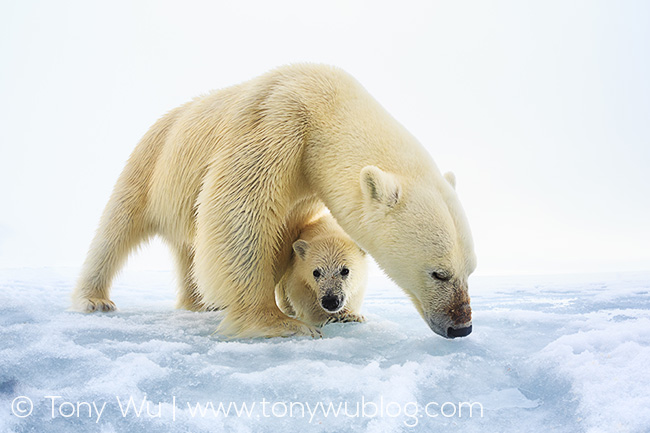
(542, 110)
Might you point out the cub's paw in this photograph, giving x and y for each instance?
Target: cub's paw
(345, 317)
(89, 305)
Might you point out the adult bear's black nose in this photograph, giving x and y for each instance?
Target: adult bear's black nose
(460, 332)
(331, 302)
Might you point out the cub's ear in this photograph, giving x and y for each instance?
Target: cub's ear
(451, 178)
(300, 247)
(380, 186)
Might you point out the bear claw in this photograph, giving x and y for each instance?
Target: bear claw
(94, 304)
(300, 329)
(345, 318)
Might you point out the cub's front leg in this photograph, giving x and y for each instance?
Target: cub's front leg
(345, 316)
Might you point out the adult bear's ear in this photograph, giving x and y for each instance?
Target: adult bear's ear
(451, 178)
(380, 186)
(300, 247)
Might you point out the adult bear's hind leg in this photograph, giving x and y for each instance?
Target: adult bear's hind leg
(120, 230)
(188, 295)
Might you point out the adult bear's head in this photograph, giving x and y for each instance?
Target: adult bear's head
(421, 238)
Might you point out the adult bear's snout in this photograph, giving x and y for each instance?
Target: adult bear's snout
(459, 332)
(461, 314)
(461, 317)
(453, 322)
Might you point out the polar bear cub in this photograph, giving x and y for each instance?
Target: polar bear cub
(327, 276)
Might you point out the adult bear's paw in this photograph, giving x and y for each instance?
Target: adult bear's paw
(261, 325)
(90, 305)
(294, 328)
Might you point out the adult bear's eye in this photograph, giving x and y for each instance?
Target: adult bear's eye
(440, 275)
(316, 273)
(345, 271)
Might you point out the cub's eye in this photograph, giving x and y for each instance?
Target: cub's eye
(345, 271)
(440, 275)
(316, 273)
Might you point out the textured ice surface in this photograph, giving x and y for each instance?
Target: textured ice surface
(551, 354)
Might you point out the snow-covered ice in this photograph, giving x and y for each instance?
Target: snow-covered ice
(550, 354)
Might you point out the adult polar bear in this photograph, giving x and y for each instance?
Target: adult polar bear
(230, 178)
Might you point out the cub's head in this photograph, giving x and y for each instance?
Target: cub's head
(416, 230)
(332, 266)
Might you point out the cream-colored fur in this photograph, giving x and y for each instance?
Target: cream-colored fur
(230, 178)
(342, 273)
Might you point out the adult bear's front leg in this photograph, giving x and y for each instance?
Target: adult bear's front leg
(236, 246)
(251, 322)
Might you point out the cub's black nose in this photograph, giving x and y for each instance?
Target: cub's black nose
(461, 332)
(331, 302)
